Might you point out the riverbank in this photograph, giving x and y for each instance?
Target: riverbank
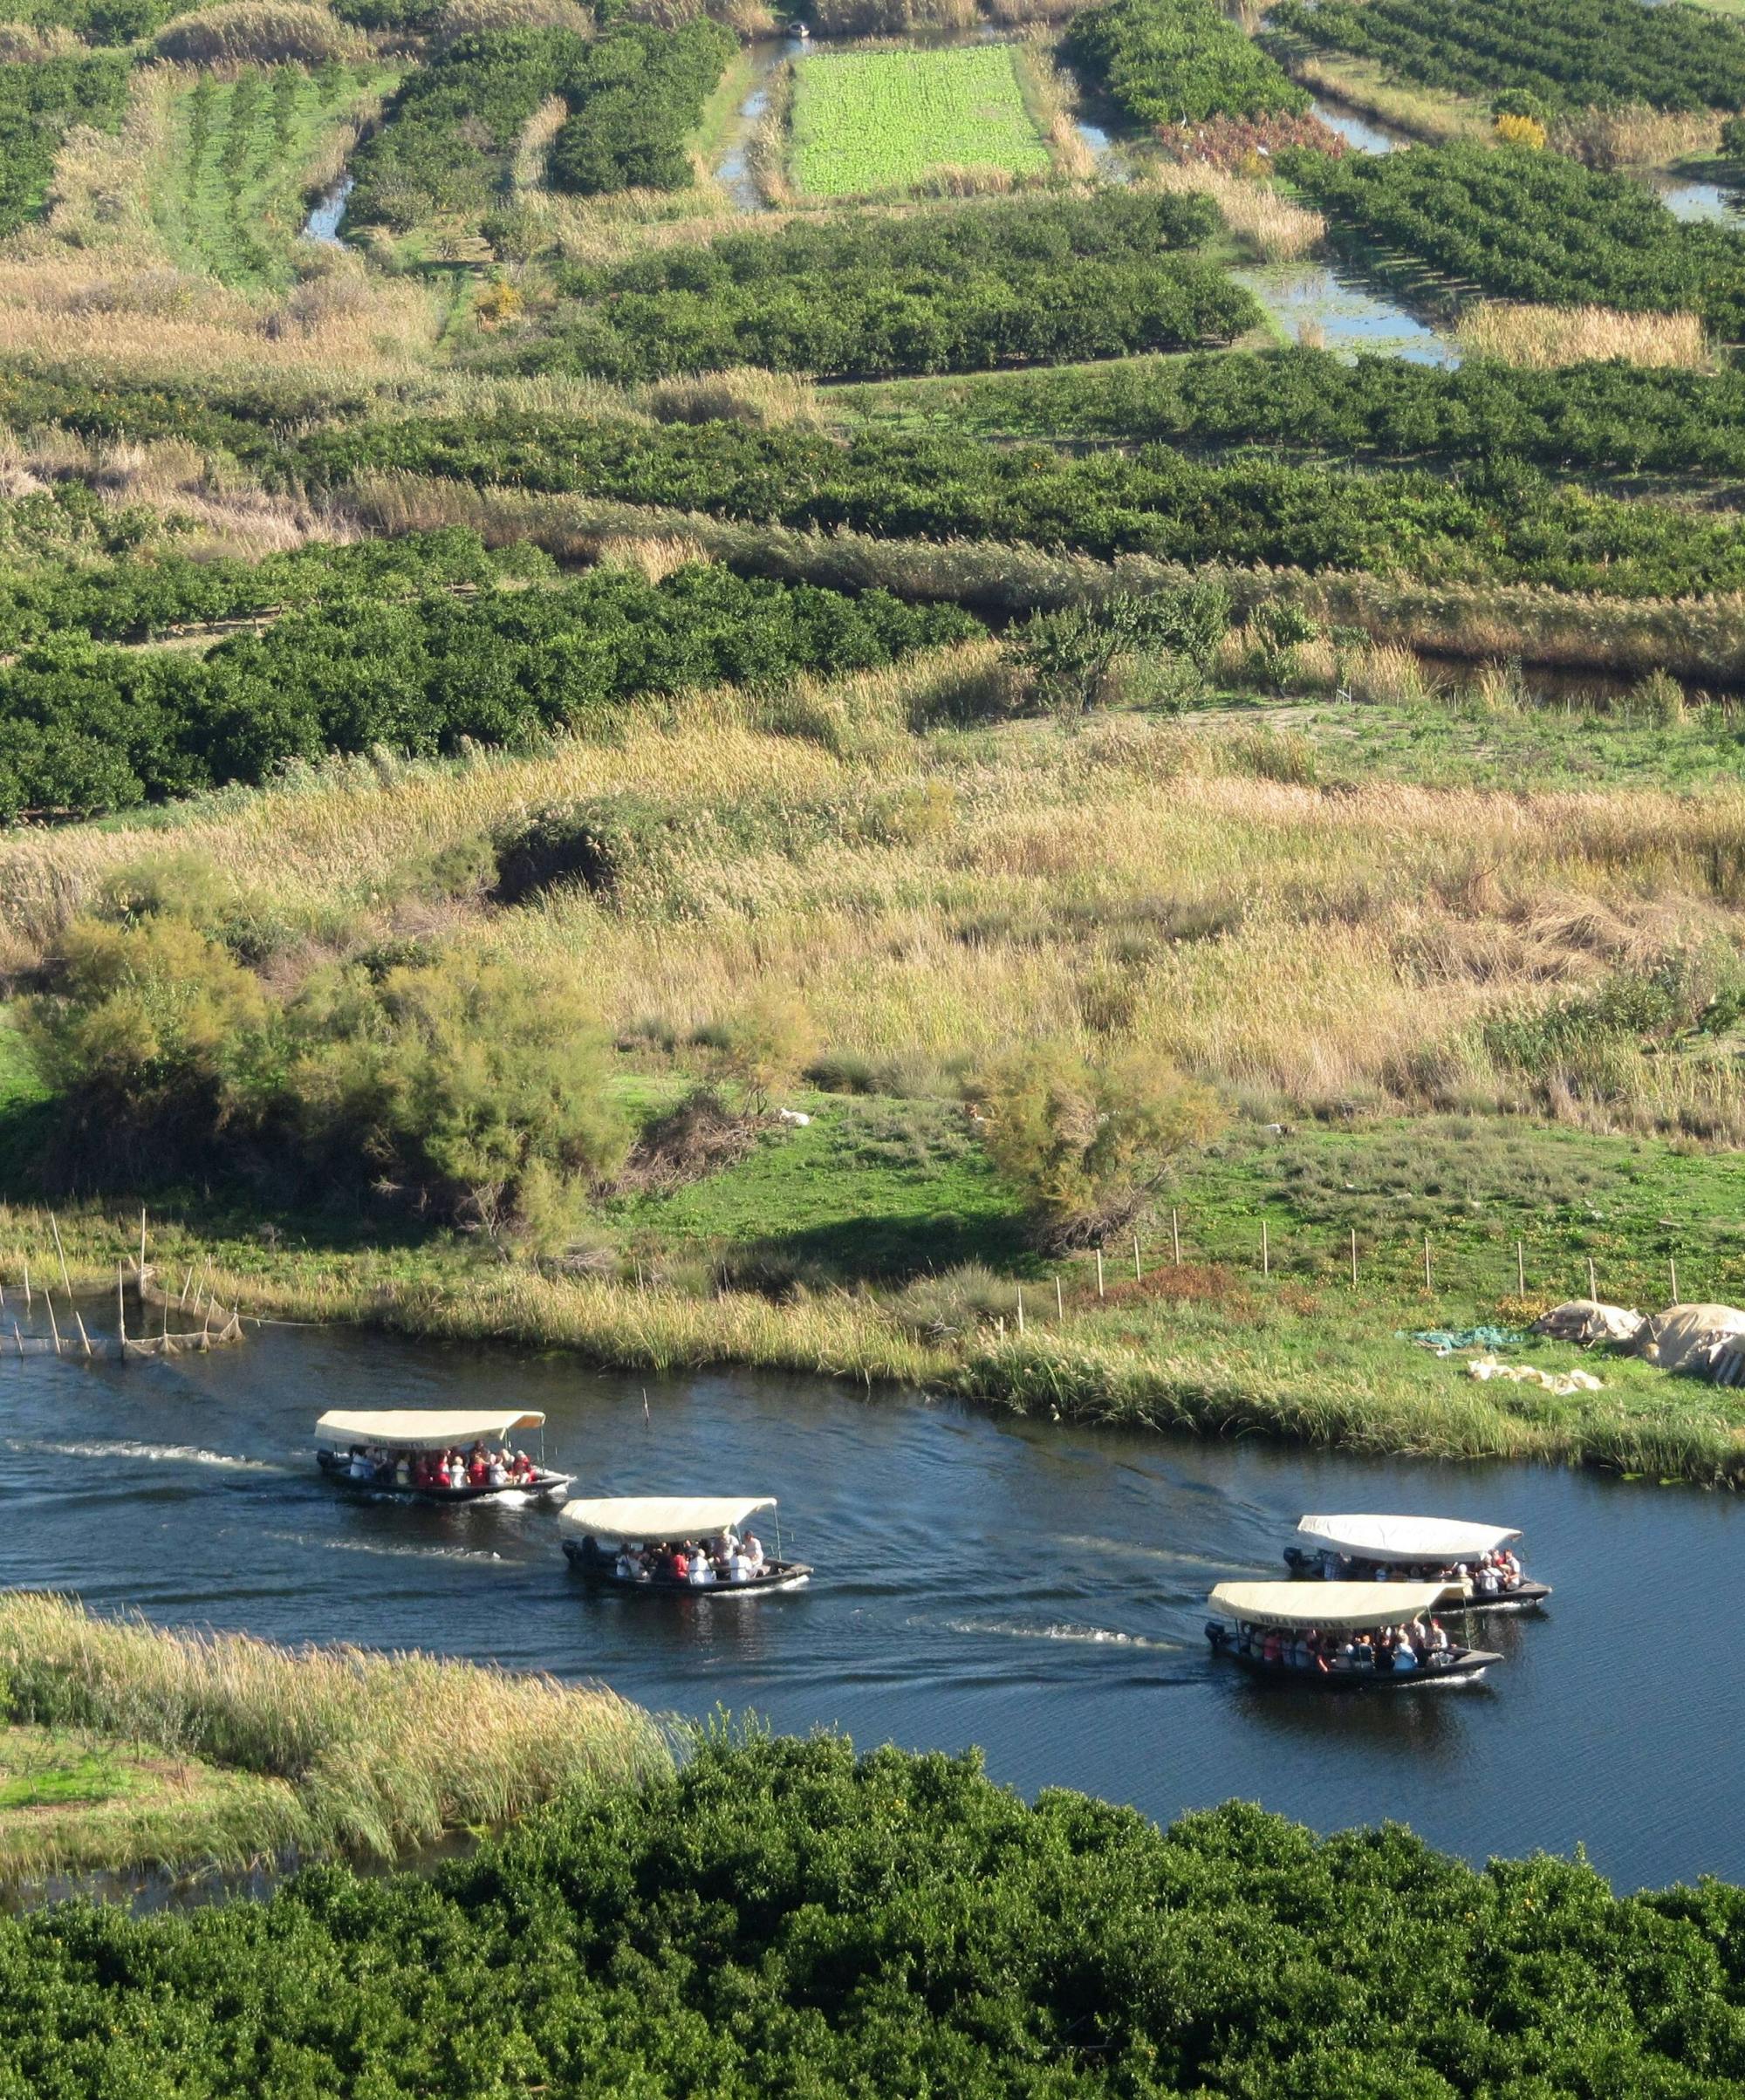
(127, 1748)
(815, 1254)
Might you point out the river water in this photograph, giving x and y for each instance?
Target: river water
(1035, 1588)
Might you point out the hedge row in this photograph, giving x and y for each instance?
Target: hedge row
(1177, 62)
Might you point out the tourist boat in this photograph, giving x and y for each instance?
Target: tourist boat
(375, 1452)
(1408, 1549)
(615, 1528)
(1242, 1609)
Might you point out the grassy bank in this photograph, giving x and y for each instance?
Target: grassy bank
(128, 1747)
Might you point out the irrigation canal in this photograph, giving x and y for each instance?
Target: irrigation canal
(1035, 1588)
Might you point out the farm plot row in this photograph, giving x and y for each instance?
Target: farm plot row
(1177, 62)
(86, 729)
(1530, 225)
(942, 290)
(1500, 521)
(1571, 54)
(865, 121)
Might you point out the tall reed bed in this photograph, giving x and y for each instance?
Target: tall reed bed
(382, 1753)
(1276, 229)
(1515, 333)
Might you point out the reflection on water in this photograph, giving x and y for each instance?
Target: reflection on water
(323, 223)
(1363, 132)
(1698, 203)
(1035, 1588)
(1332, 308)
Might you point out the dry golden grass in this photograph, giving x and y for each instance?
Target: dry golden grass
(1638, 137)
(260, 32)
(1272, 226)
(1049, 95)
(100, 197)
(1518, 333)
(1343, 945)
(1436, 119)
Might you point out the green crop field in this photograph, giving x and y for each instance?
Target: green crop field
(231, 201)
(867, 121)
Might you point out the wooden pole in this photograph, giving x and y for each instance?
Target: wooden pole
(84, 1340)
(27, 1286)
(1059, 1301)
(1137, 1273)
(18, 1338)
(1427, 1262)
(186, 1280)
(1265, 1251)
(120, 1309)
(1592, 1287)
(1021, 1308)
(1354, 1257)
(1099, 1272)
(1175, 1234)
(142, 1254)
(1673, 1263)
(1520, 1270)
(54, 1226)
(54, 1325)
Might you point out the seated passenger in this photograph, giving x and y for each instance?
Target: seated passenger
(679, 1567)
(360, 1466)
(738, 1567)
(703, 1569)
(753, 1552)
(1404, 1655)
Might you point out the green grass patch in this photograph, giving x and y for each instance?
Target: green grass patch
(884, 120)
(233, 199)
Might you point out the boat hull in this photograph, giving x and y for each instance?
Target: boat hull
(545, 1484)
(1458, 1596)
(602, 1573)
(1464, 1666)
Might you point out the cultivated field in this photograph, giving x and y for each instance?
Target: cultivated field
(865, 121)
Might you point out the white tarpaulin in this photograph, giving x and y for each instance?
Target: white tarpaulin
(1693, 1338)
(423, 1428)
(1587, 1320)
(1348, 1606)
(1440, 1541)
(664, 1517)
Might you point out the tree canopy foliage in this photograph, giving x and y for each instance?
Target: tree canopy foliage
(635, 97)
(1178, 62)
(781, 1920)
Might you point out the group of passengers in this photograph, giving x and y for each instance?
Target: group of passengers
(1420, 1644)
(437, 1471)
(1491, 1575)
(698, 1564)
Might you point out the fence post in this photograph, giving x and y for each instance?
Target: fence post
(1059, 1301)
(1265, 1251)
(1520, 1271)
(1021, 1308)
(1099, 1272)
(1673, 1263)
(1354, 1257)
(1592, 1287)
(1175, 1234)
(27, 1287)
(84, 1340)
(54, 1226)
(54, 1325)
(1427, 1284)
(1137, 1275)
(120, 1310)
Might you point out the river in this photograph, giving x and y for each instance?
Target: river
(1035, 1588)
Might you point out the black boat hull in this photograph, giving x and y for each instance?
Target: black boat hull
(601, 1573)
(338, 1471)
(1464, 1666)
(1458, 1596)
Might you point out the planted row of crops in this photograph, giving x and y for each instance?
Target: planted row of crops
(85, 729)
(1610, 417)
(635, 93)
(38, 102)
(872, 120)
(1177, 62)
(942, 290)
(1571, 54)
(1528, 226)
(1499, 521)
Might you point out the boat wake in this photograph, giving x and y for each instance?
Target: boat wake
(1125, 1550)
(179, 1454)
(392, 1553)
(1091, 1636)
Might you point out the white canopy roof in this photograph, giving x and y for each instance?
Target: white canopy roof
(1439, 1540)
(664, 1517)
(424, 1428)
(1348, 1606)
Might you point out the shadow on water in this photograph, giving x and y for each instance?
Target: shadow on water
(1033, 1587)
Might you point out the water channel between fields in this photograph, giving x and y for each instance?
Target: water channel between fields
(1035, 1588)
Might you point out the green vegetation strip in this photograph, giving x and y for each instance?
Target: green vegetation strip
(872, 120)
(127, 1746)
(781, 1918)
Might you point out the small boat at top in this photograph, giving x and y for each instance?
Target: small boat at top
(409, 1451)
(1472, 1561)
(674, 1544)
(1325, 1634)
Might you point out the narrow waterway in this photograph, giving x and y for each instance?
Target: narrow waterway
(323, 223)
(1034, 1589)
(1328, 306)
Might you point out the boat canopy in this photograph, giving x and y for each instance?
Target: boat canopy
(1436, 1539)
(1348, 1606)
(424, 1428)
(664, 1517)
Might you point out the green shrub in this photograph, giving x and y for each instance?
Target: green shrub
(636, 95)
(38, 102)
(1086, 1144)
(1177, 62)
